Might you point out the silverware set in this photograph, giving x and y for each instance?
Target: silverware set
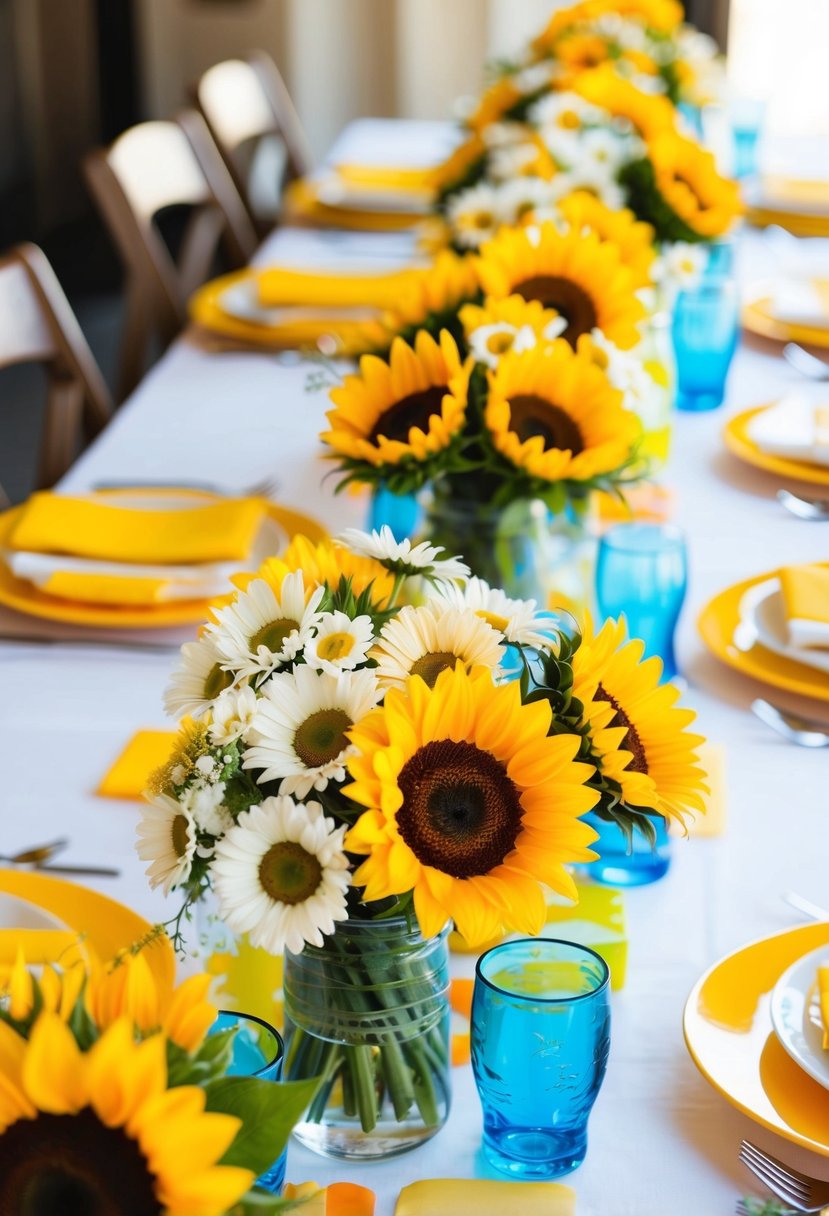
(805, 732)
(39, 857)
(801, 1192)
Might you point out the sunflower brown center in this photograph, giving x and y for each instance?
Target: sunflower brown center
(413, 411)
(566, 297)
(72, 1165)
(531, 416)
(632, 743)
(179, 835)
(288, 873)
(274, 635)
(216, 681)
(461, 813)
(321, 737)
(429, 666)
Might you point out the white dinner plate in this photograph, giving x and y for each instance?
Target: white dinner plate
(795, 1015)
(241, 301)
(761, 611)
(17, 913)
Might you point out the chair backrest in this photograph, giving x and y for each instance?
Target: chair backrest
(37, 325)
(251, 116)
(150, 167)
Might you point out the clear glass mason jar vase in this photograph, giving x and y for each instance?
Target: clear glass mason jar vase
(523, 548)
(368, 1011)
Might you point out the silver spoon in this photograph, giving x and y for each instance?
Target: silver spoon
(37, 854)
(805, 363)
(814, 509)
(805, 732)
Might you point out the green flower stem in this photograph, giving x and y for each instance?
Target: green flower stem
(331, 1064)
(398, 1078)
(360, 1059)
(424, 1087)
(349, 1097)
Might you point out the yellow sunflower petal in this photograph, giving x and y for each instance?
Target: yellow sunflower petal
(54, 1071)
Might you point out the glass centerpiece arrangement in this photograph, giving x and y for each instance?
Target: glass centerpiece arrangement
(361, 769)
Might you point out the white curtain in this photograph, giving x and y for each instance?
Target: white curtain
(340, 58)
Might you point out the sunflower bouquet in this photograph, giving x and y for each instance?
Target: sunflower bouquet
(377, 739)
(115, 1098)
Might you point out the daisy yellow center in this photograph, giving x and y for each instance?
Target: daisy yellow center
(216, 681)
(289, 873)
(499, 344)
(429, 666)
(566, 297)
(497, 622)
(461, 813)
(179, 835)
(481, 220)
(321, 737)
(569, 120)
(415, 410)
(336, 646)
(632, 742)
(65, 1165)
(274, 635)
(532, 416)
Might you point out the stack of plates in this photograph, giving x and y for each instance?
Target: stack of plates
(780, 438)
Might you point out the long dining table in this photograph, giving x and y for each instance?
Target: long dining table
(661, 1139)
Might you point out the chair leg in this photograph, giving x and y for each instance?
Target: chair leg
(135, 341)
(61, 431)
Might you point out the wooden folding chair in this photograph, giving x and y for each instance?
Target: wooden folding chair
(257, 130)
(37, 325)
(153, 166)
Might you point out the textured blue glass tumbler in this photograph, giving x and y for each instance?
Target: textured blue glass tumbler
(642, 572)
(705, 328)
(746, 116)
(257, 1052)
(540, 1038)
(633, 864)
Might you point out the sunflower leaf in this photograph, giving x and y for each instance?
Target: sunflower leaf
(268, 1110)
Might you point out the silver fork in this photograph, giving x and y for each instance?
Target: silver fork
(814, 509)
(805, 732)
(266, 487)
(801, 1192)
(805, 363)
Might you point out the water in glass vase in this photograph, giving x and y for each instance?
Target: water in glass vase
(369, 1013)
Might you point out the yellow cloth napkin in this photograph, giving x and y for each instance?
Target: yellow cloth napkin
(302, 204)
(388, 177)
(485, 1197)
(91, 527)
(802, 192)
(805, 591)
(283, 286)
(146, 751)
(106, 588)
(823, 989)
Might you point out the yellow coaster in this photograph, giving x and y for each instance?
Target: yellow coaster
(146, 751)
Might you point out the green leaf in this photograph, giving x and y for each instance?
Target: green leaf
(261, 1203)
(268, 1110)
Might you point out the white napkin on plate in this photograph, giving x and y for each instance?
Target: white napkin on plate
(801, 302)
(180, 582)
(795, 428)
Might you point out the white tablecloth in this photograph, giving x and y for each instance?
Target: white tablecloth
(661, 1140)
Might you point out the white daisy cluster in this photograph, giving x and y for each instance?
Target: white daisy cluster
(251, 804)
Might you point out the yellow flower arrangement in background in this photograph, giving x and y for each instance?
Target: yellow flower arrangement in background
(648, 113)
(689, 182)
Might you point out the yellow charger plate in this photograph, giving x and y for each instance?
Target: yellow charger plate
(757, 318)
(718, 624)
(24, 597)
(799, 223)
(738, 441)
(104, 926)
(729, 1034)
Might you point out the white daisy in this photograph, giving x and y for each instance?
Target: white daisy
(474, 215)
(523, 196)
(510, 161)
(424, 641)
(489, 342)
(402, 557)
(563, 145)
(167, 839)
(604, 148)
(596, 179)
(517, 620)
(261, 630)
(681, 265)
(232, 714)
(198, 681)
(281, 875)
(298, 734)
(205, 802)
(565, 111)
(340, 643)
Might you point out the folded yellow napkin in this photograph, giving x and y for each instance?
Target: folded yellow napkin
(281, 285)
(800, 192)
(146, 751)
(80, 578)
(485, 1197)
(823, 990)
(91, 527)
(302, 204)
(805, 591)
(387, 177)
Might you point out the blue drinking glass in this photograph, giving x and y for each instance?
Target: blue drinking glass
(623, 864)
(642, 573)
(400, 511)
(540, 1038)
(746, 117)
(258, 1052)
(704, 330)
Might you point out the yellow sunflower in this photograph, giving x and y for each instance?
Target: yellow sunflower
(655, 759)
(440, 288)
(582, 277)
(471, 805)
(456, 166)
(324, 563)
(662, 16)
(553, 412)
(687, 178)
(494, 104)
(408, 408)
(648, 113)
(81, 1132)
(634, 239)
